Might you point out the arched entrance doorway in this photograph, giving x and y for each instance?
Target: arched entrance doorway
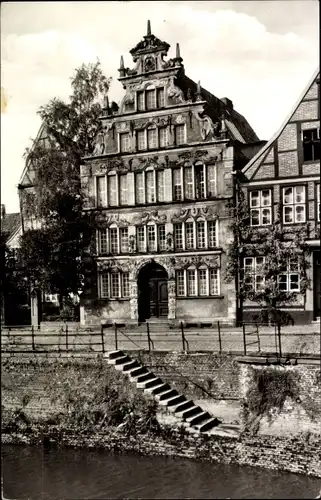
(152, 292)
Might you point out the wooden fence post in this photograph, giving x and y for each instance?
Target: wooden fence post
(183, 336)
(279, 336)
(116, 339)
(66, 337)
(244, 340)
(219, 336)
(148, 335)
(33, 338)
(102, 338)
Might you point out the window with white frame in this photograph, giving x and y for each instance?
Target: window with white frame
(150, 186)
(289, 280)
(202, 282)
(151, 138)
(123, 237)
(124, 142)
(191, 235)
(112, 190)
(140, 101)
(162, 137)
(101, 191)
(113, 238)
(139, 187)
(123, 189)
(311, 144)
(179, 135)
(177, 184)
(254, 273)
(140, 236)
(151, 238)
(113, 285)
(160, 177)
(318, 202)
(294, 204)
(194, 182)
(160, 98)
(102, 242)
(161, 237)
(141, 140)
(150, 99)
(261, 207)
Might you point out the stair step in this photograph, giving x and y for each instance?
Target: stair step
(173, 400)
(167, 394)
(208, 424)
(115, 354)
(119, 361)
(160, 389)
(152, 389)
(198, 418)
(145, 377)
(189, 412)
(132, 364)
(135, 372)
(185, 405)
(149, 384)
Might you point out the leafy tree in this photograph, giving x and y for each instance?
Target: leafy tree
(279, 247)
(54, 253)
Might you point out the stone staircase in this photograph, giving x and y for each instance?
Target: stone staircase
(185, 411)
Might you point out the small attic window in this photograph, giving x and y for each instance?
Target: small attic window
(311, 144)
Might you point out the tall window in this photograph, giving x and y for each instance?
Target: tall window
(101, 191)
(140, 101)
(161, 237)
(199, 181)
(140, 232)
(191, 282)
(200, 234)
(123, 236)
(141, 140)
(124, 142)
(211, 230)
(152, 138)
(178, 236)
(150, 99)
(112, 190)
(150, 186)
(211, 181)
(189, 235)
(160, 98)
(123, 188)
(253, 273)
(261, 207)
(139, 187)
(202, 282)
(102, 242)
(311, 144)
(160, 177)
(113, 285)
(113, 236)
(180, 283)
(294, 204)
(214, 282)
(188, 183)
(162, 137)
(151, 238)
(177, 184)
(179, 134)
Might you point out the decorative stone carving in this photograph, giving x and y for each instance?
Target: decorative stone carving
(149, 64)
(212, 261)
(115, 219)
(175, 93)
(99, 144)
(153, 216)
(179, 119)
(169, 242)
(132, 243)
(171, 291)
(206, 126)
(207, 213)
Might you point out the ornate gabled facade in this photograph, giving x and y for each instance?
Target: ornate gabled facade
(160, 182)
(286, 172)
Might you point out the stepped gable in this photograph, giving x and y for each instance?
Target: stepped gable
(264, 157)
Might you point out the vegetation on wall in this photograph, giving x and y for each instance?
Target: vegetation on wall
(55, 254)
(280, 246)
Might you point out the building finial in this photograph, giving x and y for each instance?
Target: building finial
(178, 52)
(198, 91)
(149, 31)
(121, 62)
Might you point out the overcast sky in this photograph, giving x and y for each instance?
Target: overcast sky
(260, 54)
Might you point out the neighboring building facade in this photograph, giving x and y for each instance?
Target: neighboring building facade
(287, 171)
(160, 182)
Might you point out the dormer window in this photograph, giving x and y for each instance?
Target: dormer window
(150, 99)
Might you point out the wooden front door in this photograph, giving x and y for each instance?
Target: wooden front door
(158, 301)
(316, 283)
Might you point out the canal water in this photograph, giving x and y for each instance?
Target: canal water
(37, 474)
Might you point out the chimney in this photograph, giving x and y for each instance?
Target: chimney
(3, 211)
(228, 103)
